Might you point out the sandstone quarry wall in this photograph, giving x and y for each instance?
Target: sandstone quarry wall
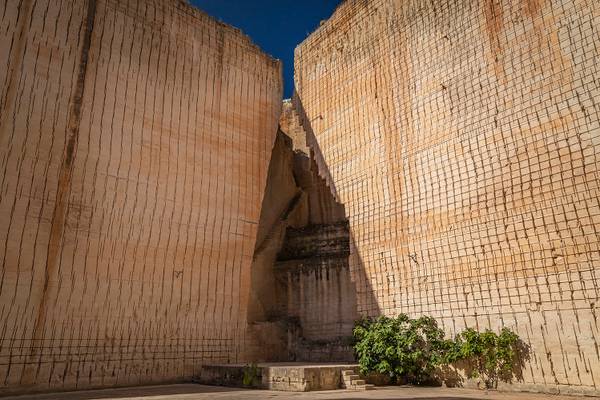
(463, 139)
(135, 138)
(302, 302)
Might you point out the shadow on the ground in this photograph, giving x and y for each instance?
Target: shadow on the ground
(133, 392)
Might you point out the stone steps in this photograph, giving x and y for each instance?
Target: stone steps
(352, 381)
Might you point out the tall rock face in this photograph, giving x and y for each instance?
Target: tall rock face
(462, 138)
(135, 138)
(302, 302)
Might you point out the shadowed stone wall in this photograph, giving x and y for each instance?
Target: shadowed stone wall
(463, 138)
(135, 138)
(302, 300)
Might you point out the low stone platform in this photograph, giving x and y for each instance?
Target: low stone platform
(289, 377)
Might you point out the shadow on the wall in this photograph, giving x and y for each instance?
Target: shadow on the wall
(309, 283)
(522, 357)
(302, 303)
(366, 296)
(454, 375)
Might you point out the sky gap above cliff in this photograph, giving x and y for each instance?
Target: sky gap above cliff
(277, 26)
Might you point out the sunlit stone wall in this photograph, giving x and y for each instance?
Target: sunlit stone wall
(463, 138)
(135, 138)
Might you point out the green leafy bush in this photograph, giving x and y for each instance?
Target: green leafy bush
(403, 348)
(489, 356)
(416, 350)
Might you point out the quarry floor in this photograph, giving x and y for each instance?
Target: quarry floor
(202, 392)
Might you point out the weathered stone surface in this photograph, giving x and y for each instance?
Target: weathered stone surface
(287, 377)
(135, 138)
(462, 138)
(316, 241)
(289, 122)
(303, 303)
(321, 298)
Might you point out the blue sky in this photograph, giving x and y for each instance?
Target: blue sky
(277, 26)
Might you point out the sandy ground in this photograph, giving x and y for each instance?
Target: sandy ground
(201, 392)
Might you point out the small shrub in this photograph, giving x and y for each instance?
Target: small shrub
(416, 351)
(251, 375)
(410, 349)
(489, 356)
